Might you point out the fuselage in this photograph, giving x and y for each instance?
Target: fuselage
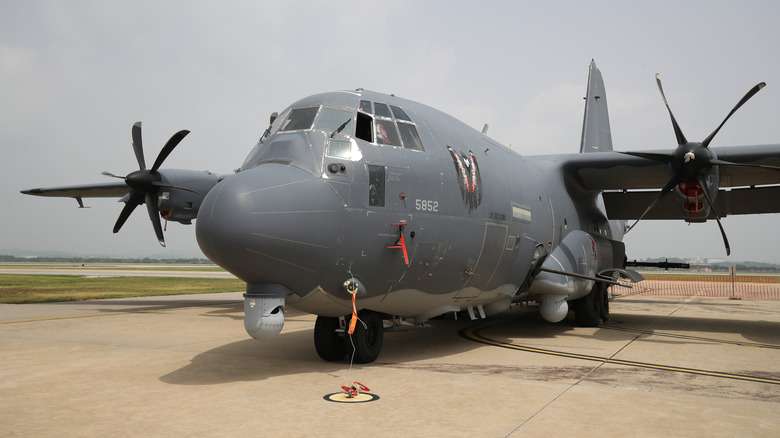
(423, 214)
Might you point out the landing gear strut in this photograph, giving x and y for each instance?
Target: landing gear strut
(333, 343)
(593, 308)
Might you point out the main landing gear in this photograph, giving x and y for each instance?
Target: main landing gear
(333, 343)
(593, 308)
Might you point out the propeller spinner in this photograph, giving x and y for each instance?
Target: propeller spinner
(146, 183)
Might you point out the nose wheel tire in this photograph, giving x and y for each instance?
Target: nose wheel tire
(366, 342)
(328, 342)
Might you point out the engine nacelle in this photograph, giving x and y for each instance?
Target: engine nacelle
(180, 205)
(692, 202)
(263, 315)
(689, 193)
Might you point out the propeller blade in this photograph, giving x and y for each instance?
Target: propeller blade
(135, 199)
(673, 181)
(168, 148)
(705, 190)
(145, 184)
(729, 163)
(138, 145)
(154, 215)
(677, 131)
(741, 102)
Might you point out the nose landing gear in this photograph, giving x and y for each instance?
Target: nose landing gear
(333, 343)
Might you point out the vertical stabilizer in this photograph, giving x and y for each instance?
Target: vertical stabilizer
(596, 135)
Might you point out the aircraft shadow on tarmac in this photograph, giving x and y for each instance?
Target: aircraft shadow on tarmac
(756, 331)
(293, 353)
(405, 347)
(516, 329)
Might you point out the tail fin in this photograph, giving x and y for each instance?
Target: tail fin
(596, 135)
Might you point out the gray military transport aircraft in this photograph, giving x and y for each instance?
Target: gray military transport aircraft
(367, 204)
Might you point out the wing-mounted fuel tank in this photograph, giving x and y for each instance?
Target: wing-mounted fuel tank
(581, 254)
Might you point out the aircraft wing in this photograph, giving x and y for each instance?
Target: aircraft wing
(630, 183)
(100, 190)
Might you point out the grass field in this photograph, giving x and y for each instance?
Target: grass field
(112, 266)
(22, 288)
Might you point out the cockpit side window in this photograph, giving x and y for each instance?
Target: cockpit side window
(400, 114)
(409, 136)
(278, 121)
(390, 125)
(300, 118)
(386, 133)
(364, 128)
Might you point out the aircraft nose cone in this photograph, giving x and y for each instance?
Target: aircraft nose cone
(273, 224)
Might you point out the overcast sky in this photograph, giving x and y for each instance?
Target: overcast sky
(75, 75)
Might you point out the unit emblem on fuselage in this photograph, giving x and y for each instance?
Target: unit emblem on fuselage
(469, 180)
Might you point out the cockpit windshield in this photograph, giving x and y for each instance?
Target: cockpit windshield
(300, 118)
(332, 119)
(374, 122)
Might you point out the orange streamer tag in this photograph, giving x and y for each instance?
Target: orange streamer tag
(353, 322)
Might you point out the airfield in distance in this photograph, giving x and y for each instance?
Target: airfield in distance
(183, 365)
(116, 270)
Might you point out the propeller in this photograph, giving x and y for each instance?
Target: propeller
(693, 161)
(145, 183)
